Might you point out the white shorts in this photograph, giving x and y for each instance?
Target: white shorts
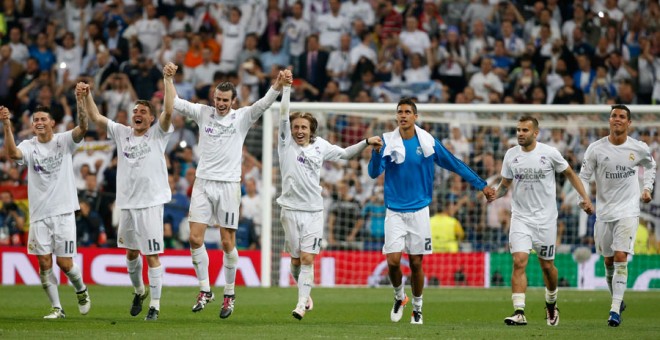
(303, 231)
(408, 231)
(215, 202)
(53, 235)
(616, 235)
(141, 229)
(523, 237)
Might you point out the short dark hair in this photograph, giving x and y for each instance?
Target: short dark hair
(621, 107)
(313, 123)
(407, 101)
(44, 109)
(534, 121)
(148, 105)
(227, 86)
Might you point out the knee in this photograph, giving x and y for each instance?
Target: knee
(132, 254)
(45, 263)
(65, 263)
(416, 264)
(393, 263)
(227, 245)
(519, 263)
(196, 241)
(307, 259)
(153, 261)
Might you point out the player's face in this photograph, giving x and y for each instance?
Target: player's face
(142, 118)
(42, 124)
(223, 102)
(526, 133)
(301, 131)
(405, 116)
(619, 122)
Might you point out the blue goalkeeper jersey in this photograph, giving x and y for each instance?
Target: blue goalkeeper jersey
(409, 185)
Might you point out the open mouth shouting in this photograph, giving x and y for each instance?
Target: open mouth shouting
(300, 138)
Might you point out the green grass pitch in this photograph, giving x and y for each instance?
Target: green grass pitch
(339, 313)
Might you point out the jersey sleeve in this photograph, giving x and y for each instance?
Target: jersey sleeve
(72, 146)
(163, 136)
(506, 165)
(377, 162)
(112, 130)
(649, 165)
(188, 109)
(260, 106)
(447, 160)
(588, 165)
(559, 162)
(333, 152)
(26, 148)
(284, 137)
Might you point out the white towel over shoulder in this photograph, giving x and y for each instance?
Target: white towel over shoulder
(395, 149)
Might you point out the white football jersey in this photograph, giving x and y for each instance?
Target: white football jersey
(221, 137)
(534, 187)
(51, 185)
(300, 168)
(141, 168)
(615, 170)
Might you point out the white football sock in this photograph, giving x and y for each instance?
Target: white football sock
(305, 283)
(200, 259)
(229, 261)
(295, 272)
(49, 284)
(399, 292)
(609, 272)
(551, 296)
(619, 283)
(75, 278)
(156, 285)
(135, 273)
(417, 303)
(518, 301)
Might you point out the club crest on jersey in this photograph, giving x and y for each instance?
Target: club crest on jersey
(419, 150)
(543, 160)
(631, 157)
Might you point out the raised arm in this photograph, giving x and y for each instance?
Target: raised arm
(166, 118)
(285, 126)
(80, 130)
(357, 148)
(91, 108)
(585, 201)
(10, 145)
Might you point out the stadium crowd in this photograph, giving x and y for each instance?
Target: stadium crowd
(478, 52)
